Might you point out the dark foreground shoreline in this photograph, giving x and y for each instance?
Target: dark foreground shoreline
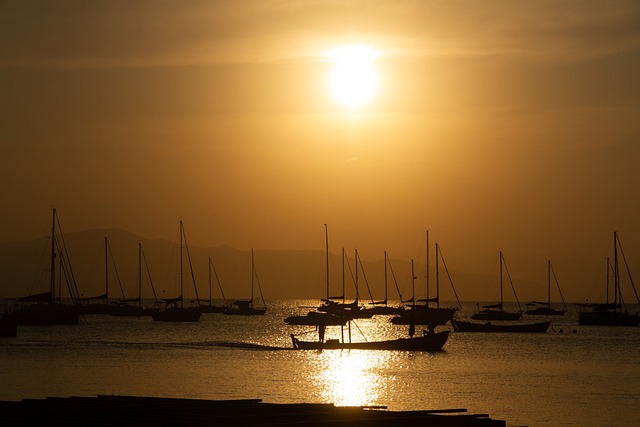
(124, 411)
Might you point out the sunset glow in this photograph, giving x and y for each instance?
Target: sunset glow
(353, 80)
(258, 122)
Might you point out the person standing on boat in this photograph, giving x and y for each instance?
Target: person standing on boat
(431, 329)
(412, 329)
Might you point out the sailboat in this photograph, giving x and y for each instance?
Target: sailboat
(207, 306)
(47, 308)
(383, 307)
(316, 317)
(426, 314)
(496, 311)
(174, 310)
(612, 314)
(351, 310)
(122, 308)
(544, 308)
(246, 307)
(98, 307)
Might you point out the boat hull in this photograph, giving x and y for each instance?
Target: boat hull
(207, 308)
(424, 316)
(428, 342)
(132, 311)
(461, 326)
(177, 314)
(546, 311)
(608, 318)
(496, 315)
(8, 327)
(45, 314)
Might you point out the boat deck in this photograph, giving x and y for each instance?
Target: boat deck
(123, 411)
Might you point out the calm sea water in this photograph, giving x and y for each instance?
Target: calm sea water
(587, 378)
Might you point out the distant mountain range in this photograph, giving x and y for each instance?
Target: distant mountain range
(24, 270)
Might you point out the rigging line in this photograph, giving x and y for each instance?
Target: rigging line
(365, 278)
(259, 287)
(352, 277)
(395, 282)
(115, 268)
(193, 277)
(449, 276)
(66, 254)
(553, 272)
(511, 282)
(215, 273)
(67, 273)
(65, 267)
(627, 268)
(359, 330)
(146, 264)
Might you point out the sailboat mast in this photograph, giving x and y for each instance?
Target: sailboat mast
(106, 265)
(252, 276)
(356, 261)
(386, 291)
(139, 274)
(209, 265)
(437, 276)
(326, 243)
(343, 276)
(608, 274)
(181, 296)
(616, 271)
(549, 283)
(500, 280)
(413, 285)
(52, 279)
(427, 268)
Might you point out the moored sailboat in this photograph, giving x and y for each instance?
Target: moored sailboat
(612, 313)
(496, 311)
(426, 314)
(92, 304)
(46, 308)
(123, 308)
(544, 308)
(247, 307)
(207, 305)
(316, 317)
(174, 310)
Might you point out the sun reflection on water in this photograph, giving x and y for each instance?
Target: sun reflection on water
(351, 378)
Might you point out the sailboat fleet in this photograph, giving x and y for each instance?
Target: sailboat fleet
(334, 310)
(612, 313)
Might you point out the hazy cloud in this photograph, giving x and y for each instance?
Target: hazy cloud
(142, 33)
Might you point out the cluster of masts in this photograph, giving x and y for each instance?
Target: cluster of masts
(46, 308)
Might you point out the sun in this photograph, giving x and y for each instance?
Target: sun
(353, 80)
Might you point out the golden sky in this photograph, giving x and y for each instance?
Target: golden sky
(497, 125)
